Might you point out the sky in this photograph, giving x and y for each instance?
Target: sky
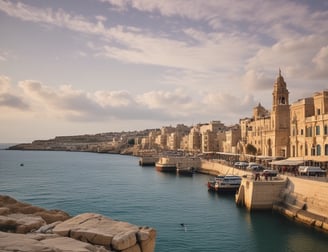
(70, 67)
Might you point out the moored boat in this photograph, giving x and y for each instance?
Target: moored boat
(188, 171)
(224, 183)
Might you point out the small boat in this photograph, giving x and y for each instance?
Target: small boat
(224, 183)
(188, 171)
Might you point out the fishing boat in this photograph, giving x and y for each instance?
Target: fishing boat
(224, 183)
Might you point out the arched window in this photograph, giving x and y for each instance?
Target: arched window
(318, 151)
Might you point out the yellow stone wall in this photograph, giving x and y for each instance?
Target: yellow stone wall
(313, 193)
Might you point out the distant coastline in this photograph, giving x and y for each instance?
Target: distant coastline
(4, 146)
(111, 143)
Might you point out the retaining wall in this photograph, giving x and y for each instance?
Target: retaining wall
(313, 193)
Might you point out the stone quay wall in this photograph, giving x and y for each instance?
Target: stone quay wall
(260, 195)
(303, 199)
(216, 166)
(24, 227)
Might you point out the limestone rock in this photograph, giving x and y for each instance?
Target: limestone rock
(31, 228)
(100, 230)
(44, 243)
(21, 243)
(9, 205)
(20, 223)
(68, 244)
(4, 210)
(147, 239)
(124, 240)
(94, 228)
(135, 248)
(47, 229)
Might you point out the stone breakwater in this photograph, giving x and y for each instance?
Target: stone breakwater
(24, 227)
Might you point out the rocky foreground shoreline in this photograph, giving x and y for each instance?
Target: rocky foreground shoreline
(24, 227)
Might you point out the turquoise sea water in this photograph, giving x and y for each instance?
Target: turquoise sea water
(116, 186)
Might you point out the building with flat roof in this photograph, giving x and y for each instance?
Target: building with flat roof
(309, 128)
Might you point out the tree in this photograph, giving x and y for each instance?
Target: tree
(250, 149)
(131, 141)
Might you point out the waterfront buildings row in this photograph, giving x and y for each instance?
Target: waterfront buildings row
(298, 131)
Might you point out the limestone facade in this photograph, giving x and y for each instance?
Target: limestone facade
(268, 131)
(309, 128)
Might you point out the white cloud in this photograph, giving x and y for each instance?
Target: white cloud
(320, 61)
(254, 81)
(217, 50)
(4, 83)
(114, 98)
(8, 98)
(70, 104)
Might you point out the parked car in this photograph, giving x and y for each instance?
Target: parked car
(241, 164)
(311, 171)
(269, 173)
(255, 167)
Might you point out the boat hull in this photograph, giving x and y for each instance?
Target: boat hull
(224, 184)
(166, 168)
(222, 189)
(186, 171)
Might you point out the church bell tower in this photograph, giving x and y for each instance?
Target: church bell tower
(280, 116)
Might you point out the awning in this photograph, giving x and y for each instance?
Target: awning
(288, 161)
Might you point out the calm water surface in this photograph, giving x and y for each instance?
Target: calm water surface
(117, 187)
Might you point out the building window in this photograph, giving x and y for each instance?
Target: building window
(318, 111)
(312, 151)
(302, 132)
(306, 150)
(317, 130)
(308, 131)
(318, 150)
(326, 149)
(325, 130)
(294, 152)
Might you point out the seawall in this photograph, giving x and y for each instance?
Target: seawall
(216, 166)
(302, 199)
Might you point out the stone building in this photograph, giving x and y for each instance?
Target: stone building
(194, 139)
(209, 140)
(232, 137)
(309, 128)
(269, 132)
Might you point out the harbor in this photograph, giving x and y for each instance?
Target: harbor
(117, 187)
(300, 198)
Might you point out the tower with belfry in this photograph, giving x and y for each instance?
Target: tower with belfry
(269, 131)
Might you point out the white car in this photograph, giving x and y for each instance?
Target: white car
(311, 171)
